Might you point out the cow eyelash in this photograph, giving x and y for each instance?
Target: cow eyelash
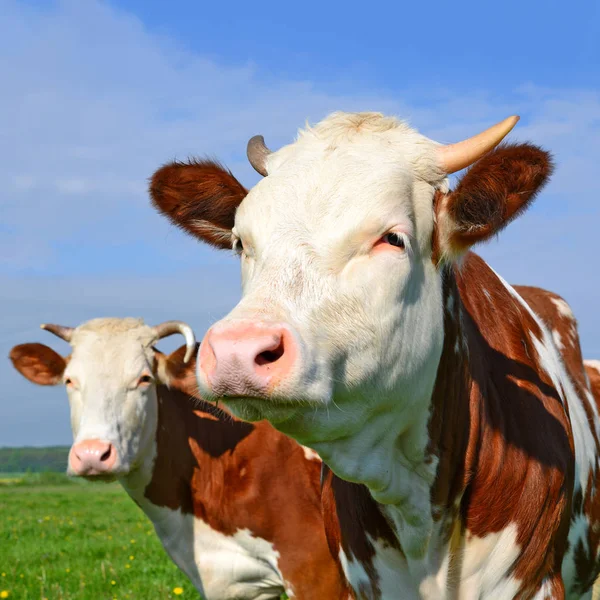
(395, 239)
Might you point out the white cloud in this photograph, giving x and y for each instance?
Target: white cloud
(93, 103)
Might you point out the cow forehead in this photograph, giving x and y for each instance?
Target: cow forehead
(112, 347)
(328, 193)
(350, 171)
(341, 199)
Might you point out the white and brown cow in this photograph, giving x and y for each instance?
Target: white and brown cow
(204, 479)
(465, 448)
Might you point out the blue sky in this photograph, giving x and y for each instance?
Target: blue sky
(96, 95)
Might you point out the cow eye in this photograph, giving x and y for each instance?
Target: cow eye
(238, 246)
(394, 239)
(68, 382)
(145, 379)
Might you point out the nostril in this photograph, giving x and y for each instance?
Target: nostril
(106, 455)
(270, 356)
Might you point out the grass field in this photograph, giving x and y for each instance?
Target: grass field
(62, 539)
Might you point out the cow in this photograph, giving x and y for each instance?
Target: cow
(461, 451)
(203, 478)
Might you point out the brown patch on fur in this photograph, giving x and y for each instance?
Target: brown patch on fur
(493, 192)
(586, 549)
(235, 475)
(535, 492)
(175, 373)
(200, 197)
(448, 430)
(499, 428)
(38, 363)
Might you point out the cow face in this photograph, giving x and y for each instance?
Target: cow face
(343, 246)
(111, 379)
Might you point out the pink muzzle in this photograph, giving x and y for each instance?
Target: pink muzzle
(92, 457)
(243, 358)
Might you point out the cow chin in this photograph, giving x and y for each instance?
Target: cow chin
(276, 405)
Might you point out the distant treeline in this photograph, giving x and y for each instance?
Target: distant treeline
(35, 460)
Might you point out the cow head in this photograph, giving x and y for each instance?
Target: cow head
(343, 248)
(111, 377)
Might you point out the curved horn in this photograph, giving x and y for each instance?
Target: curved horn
(455, 157)
(65, 333)
(170, 327)
(257, 153)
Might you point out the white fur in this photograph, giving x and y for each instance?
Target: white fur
(563, 308)
(557, 339)
(391, 569)
(310, 454)
(221, 567)
(485, 564)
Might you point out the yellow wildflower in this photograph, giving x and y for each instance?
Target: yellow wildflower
(113, 582)
(4, 594)
(178, 591)
(128, 566)
(131, 557)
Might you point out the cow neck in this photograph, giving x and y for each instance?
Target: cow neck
(357, 523)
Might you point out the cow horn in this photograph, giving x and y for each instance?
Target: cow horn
(170, 327)
(65, 333)
(257, 153)
(455, 157)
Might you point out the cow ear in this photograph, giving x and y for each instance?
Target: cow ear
(493, 192)
(38, 363)
(200, 197)
(175, 373)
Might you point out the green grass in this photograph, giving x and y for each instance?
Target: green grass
(61, 539)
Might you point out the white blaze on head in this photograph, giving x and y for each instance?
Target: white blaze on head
(110, 384)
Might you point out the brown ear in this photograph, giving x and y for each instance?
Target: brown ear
(38, 363)
(493, 192)
(200, 197)
(176, 373)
